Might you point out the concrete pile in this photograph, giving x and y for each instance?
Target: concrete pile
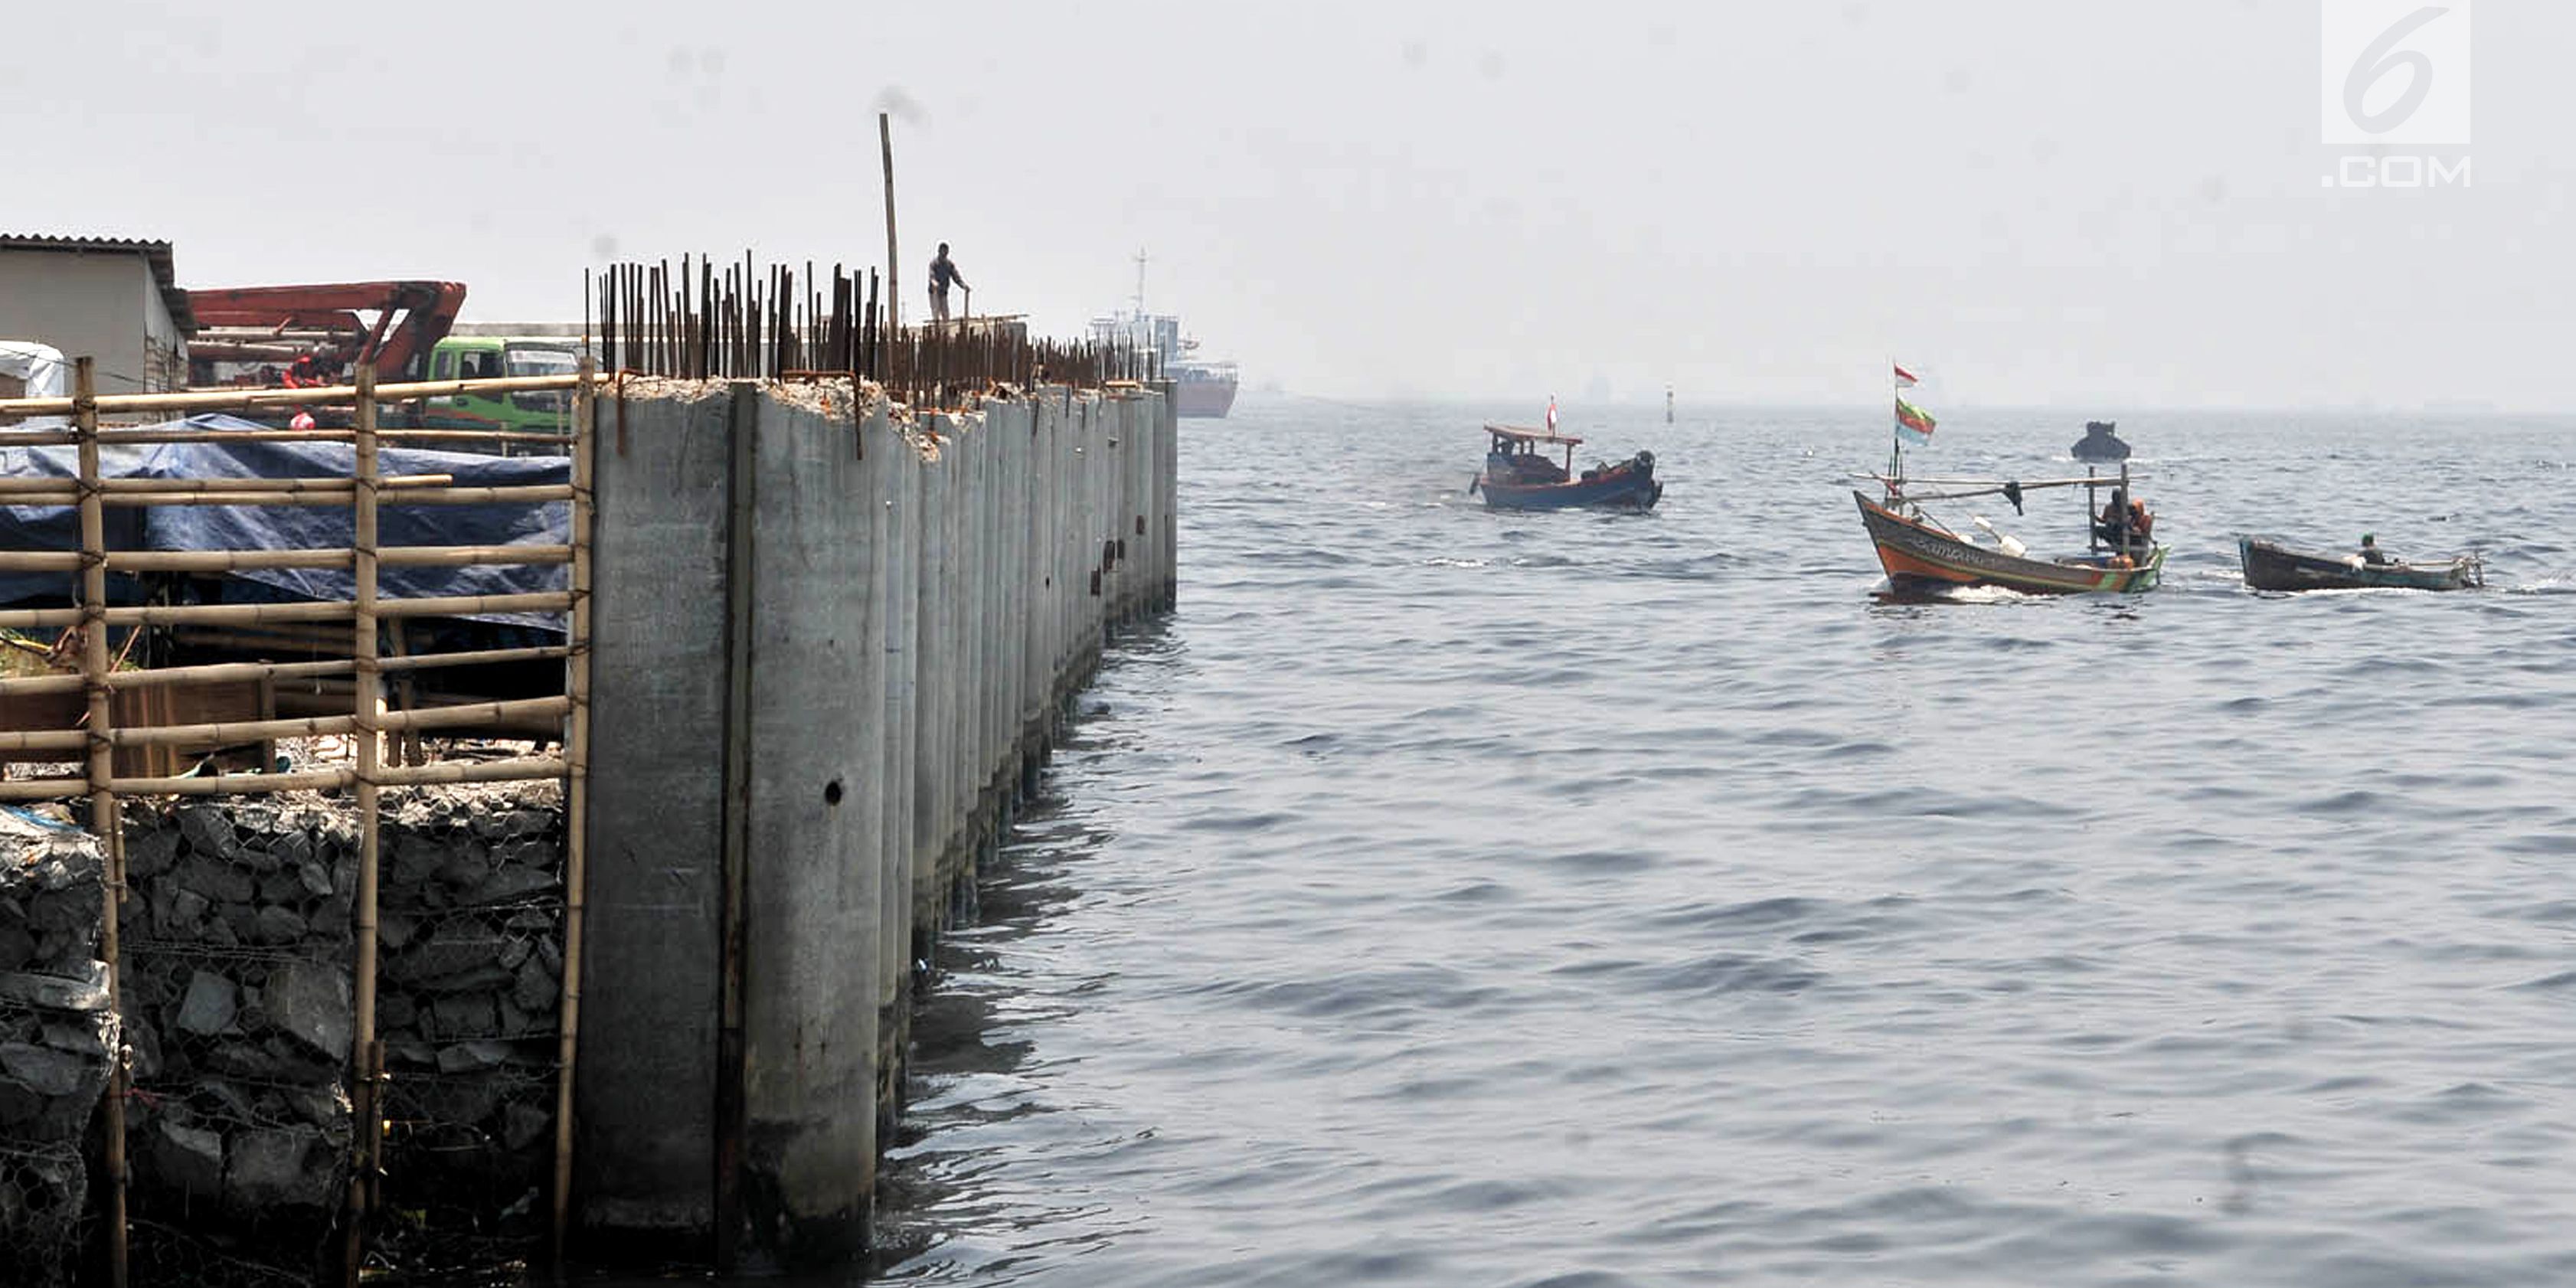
(56, 1033)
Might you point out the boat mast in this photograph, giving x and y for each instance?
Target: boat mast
(1895, 434)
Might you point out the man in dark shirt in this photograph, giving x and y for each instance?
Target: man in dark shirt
(2370, 551)
(942, 274)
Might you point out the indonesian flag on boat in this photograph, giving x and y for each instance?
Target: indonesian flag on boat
(1904, 378)
(1913, 422)
(1551, 413)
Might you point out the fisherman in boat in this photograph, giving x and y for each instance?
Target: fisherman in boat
(2112, 527)
(2125, 524)
(2370, 551)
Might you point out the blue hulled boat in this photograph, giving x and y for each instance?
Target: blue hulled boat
(1518, 476)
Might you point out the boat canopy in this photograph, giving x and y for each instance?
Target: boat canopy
(1518, 435)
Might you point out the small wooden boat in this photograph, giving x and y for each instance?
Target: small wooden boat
(2272, 566)
(1518, 477)
(1920, 555)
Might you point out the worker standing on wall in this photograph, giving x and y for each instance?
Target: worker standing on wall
(942, 274)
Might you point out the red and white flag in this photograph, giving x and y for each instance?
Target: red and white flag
(1904, 378)
(1551, 413)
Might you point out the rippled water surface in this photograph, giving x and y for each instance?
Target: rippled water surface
(1445, 897)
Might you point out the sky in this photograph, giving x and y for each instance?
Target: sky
(2027, 202)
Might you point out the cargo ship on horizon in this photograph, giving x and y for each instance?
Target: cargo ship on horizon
(1202, 388)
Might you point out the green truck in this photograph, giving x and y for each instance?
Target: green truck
(488, 357)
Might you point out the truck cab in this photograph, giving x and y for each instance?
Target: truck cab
(491, 357)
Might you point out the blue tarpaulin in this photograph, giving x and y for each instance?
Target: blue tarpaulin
(294, 527)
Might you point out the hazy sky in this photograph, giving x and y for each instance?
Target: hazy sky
(2100, 205)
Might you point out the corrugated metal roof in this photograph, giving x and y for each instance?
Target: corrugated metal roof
(156, 253)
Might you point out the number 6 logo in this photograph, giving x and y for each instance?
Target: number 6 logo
(2395, 71)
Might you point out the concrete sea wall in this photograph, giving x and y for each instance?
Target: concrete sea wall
(831, 640)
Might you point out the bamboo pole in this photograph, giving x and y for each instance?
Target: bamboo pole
(576, 810)
(236, 672)
(236, 560)
(554, 601)
(507, 712)
(444, 773)
(12, 487)
(363, 1073)
(105, 820)
(317, 396)
(515, 494)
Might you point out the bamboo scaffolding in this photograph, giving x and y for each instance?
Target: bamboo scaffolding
(766, 326)
(549, 601)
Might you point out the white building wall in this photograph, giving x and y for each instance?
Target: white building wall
(87, 305)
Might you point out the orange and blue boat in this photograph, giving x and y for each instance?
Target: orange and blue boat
(1923, 555)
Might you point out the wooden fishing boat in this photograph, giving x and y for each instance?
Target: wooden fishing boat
(2272, 566)
(1517, 476)
(1921, 555)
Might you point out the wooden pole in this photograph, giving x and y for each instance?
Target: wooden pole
(894, 266)
(576, 813)
(104, 818)
(363, 1087)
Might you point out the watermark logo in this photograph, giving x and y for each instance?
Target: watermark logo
(2394, 78)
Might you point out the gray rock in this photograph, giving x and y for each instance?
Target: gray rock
(324, 1107)
(276, 925)
(256, 856)
(17, 943)
(275, 1167)
(396, 1011)
(524, 1125)
(394, 931)
(480, 979)
(293, 849)
(209, 1006)
(188, 1159)
(472, 1057)
(412, 859)
(47, 1072)
(84, 992)
(315, 878)
(469, 1015)
(310, 1002)
(535, 989)
(467, 866)
(208, 830)
(218, 881)
(512, 884)
(184, 914)
(283, 887)
(149, 851)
